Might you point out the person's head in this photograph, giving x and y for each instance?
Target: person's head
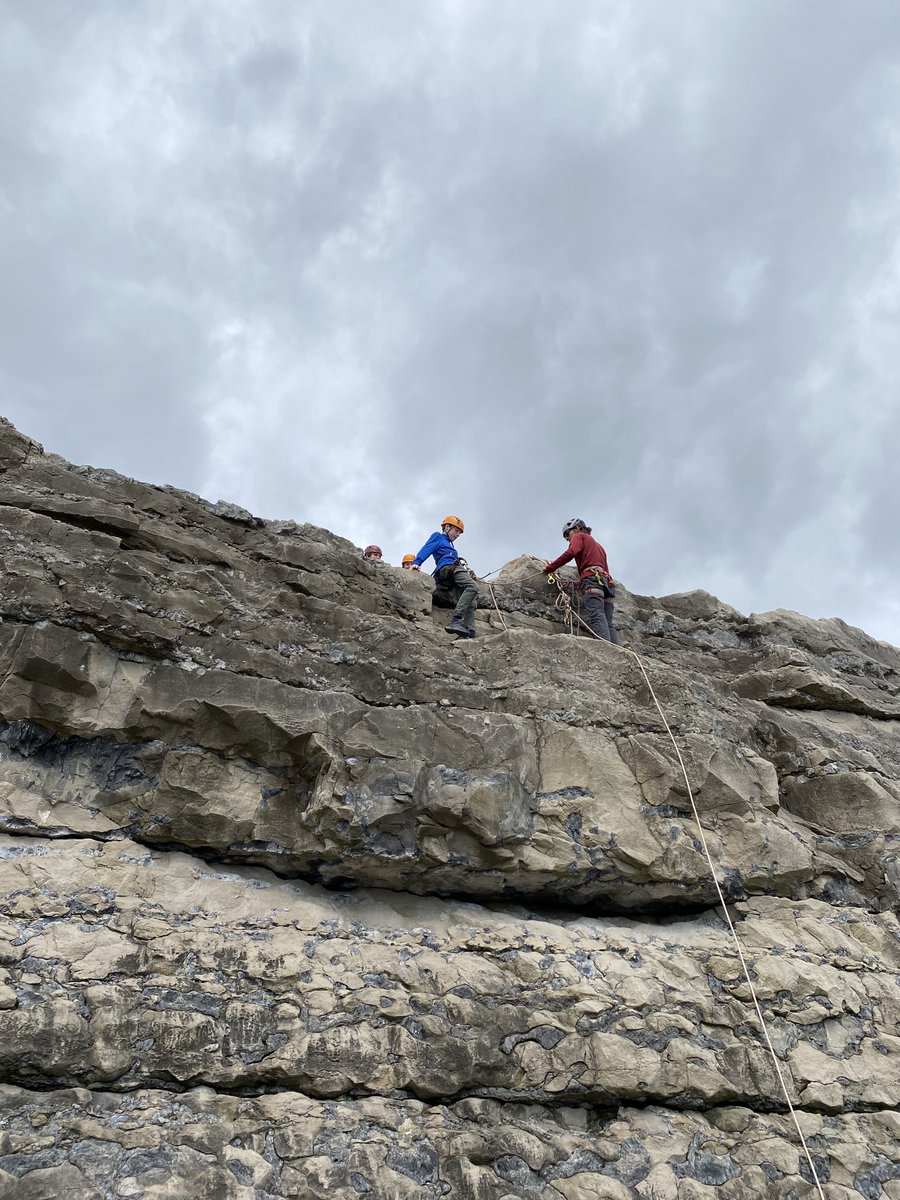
(574, 525)
(409, 561)
(372, 553)
(452, 526)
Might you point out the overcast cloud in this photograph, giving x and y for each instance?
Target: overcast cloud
(365, 263)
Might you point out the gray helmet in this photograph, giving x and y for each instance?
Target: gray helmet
(572, 524)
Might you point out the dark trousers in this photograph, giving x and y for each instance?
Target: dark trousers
(461, 586)
(597, 605)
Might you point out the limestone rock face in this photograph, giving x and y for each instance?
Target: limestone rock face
(300, 897)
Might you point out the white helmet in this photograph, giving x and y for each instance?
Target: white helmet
(572, 524)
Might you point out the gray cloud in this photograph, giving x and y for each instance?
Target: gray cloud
(361, 264)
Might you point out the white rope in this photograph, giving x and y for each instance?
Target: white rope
(518, 579)
(496, 605)
(715, 878)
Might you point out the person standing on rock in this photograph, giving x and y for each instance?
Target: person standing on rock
(452, 575)
(596, 586)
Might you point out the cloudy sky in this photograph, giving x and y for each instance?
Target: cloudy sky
(364, 264)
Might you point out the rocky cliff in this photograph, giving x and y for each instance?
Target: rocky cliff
(301, 899)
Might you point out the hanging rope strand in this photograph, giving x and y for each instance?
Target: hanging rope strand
(715, 878)
(496, 605)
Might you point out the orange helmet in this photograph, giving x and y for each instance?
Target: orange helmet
(408, 558)
(451, 520)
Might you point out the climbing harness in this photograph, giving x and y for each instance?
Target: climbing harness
(603, 579)
(719, 892)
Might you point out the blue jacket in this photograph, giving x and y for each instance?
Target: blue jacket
(442, 548)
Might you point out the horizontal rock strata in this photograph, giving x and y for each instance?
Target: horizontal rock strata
(87, 1144)
(300, 897)
(130, 968)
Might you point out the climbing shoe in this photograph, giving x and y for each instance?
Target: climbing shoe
(456, 626)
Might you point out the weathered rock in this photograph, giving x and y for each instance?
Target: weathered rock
(373, 775)
(177, 675)
(133, 968)
(83, 1145)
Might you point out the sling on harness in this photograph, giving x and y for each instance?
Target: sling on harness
(603, 579)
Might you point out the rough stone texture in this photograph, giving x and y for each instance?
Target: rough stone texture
(514, 981)
(124, 967)
(207, 1145)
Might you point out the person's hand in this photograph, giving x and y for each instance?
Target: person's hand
(415, 568)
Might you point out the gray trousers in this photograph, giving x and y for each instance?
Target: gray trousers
(461, 585)
(597, 604)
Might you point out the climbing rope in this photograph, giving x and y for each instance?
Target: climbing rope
(533, 575)
(496, 605)
(564, 606)
(486, 578)
(518, 578)
(715, 878)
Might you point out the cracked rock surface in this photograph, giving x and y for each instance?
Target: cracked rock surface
(86, 1144)
(138, 968)
(300, 898)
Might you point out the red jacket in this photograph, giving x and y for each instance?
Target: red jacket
(588, 555)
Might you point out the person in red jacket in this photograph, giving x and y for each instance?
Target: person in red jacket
(595, 583)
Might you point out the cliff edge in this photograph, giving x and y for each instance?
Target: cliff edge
(302, 899)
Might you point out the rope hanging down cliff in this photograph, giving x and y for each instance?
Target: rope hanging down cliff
(571, 613)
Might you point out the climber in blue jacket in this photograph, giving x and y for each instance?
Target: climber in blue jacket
(452, 575)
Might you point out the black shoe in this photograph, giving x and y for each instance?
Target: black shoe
(456, 626)
(471, 633)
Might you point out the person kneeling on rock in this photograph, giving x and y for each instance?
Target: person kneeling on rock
(452, 575)
(595, 584)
